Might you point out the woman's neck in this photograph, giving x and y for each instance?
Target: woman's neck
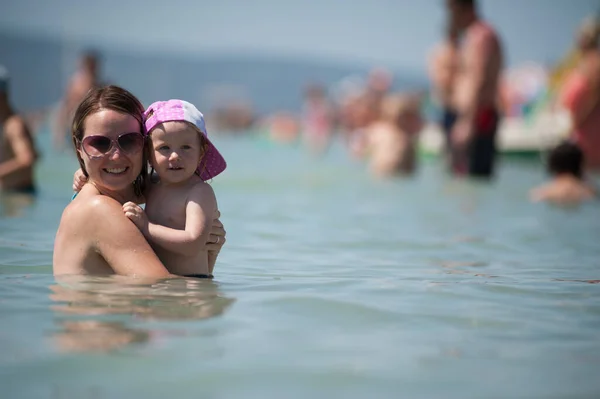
(122, 196)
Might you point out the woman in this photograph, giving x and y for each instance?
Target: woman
(94, 235)
(581, 94)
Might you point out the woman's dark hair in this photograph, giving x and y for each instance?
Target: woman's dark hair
(566, 158)
(117, 99)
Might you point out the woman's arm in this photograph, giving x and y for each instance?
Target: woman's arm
(119, 241)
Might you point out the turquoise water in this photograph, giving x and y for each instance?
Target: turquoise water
(330, 285)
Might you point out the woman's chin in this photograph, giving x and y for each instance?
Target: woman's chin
(116, 181)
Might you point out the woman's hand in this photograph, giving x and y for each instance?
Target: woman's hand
(216, 238)
(215, 241)
(137, 215)
(79, 180)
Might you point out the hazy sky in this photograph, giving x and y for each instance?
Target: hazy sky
(395, 33)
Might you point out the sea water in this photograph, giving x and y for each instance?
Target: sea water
(331, 284)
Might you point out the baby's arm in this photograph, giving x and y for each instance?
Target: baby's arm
(79, 180)
(200, 208)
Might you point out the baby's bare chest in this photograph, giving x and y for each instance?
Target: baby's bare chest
(167, 208)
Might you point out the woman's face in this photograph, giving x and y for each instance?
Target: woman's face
(117, 168)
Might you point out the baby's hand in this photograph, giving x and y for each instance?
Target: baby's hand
(79, 180)
(136, 214)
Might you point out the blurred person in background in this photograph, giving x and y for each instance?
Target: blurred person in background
(358, 112)
(18, 154)
(379, 84)
(282, 127)
(566, 166)
(443, 67)
(317, 118)
(476, 92)
(390, 142)
(236, 116)
(580, 94)
(360, 102)
(85, 78)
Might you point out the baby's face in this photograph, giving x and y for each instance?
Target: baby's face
(176, 151)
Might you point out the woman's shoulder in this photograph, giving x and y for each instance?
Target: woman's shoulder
(90, 198)
(90, 206)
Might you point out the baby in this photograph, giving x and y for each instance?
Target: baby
(179, 203)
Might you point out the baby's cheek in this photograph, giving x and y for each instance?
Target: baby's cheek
(156, 158)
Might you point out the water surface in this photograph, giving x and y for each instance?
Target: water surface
(331, 285)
